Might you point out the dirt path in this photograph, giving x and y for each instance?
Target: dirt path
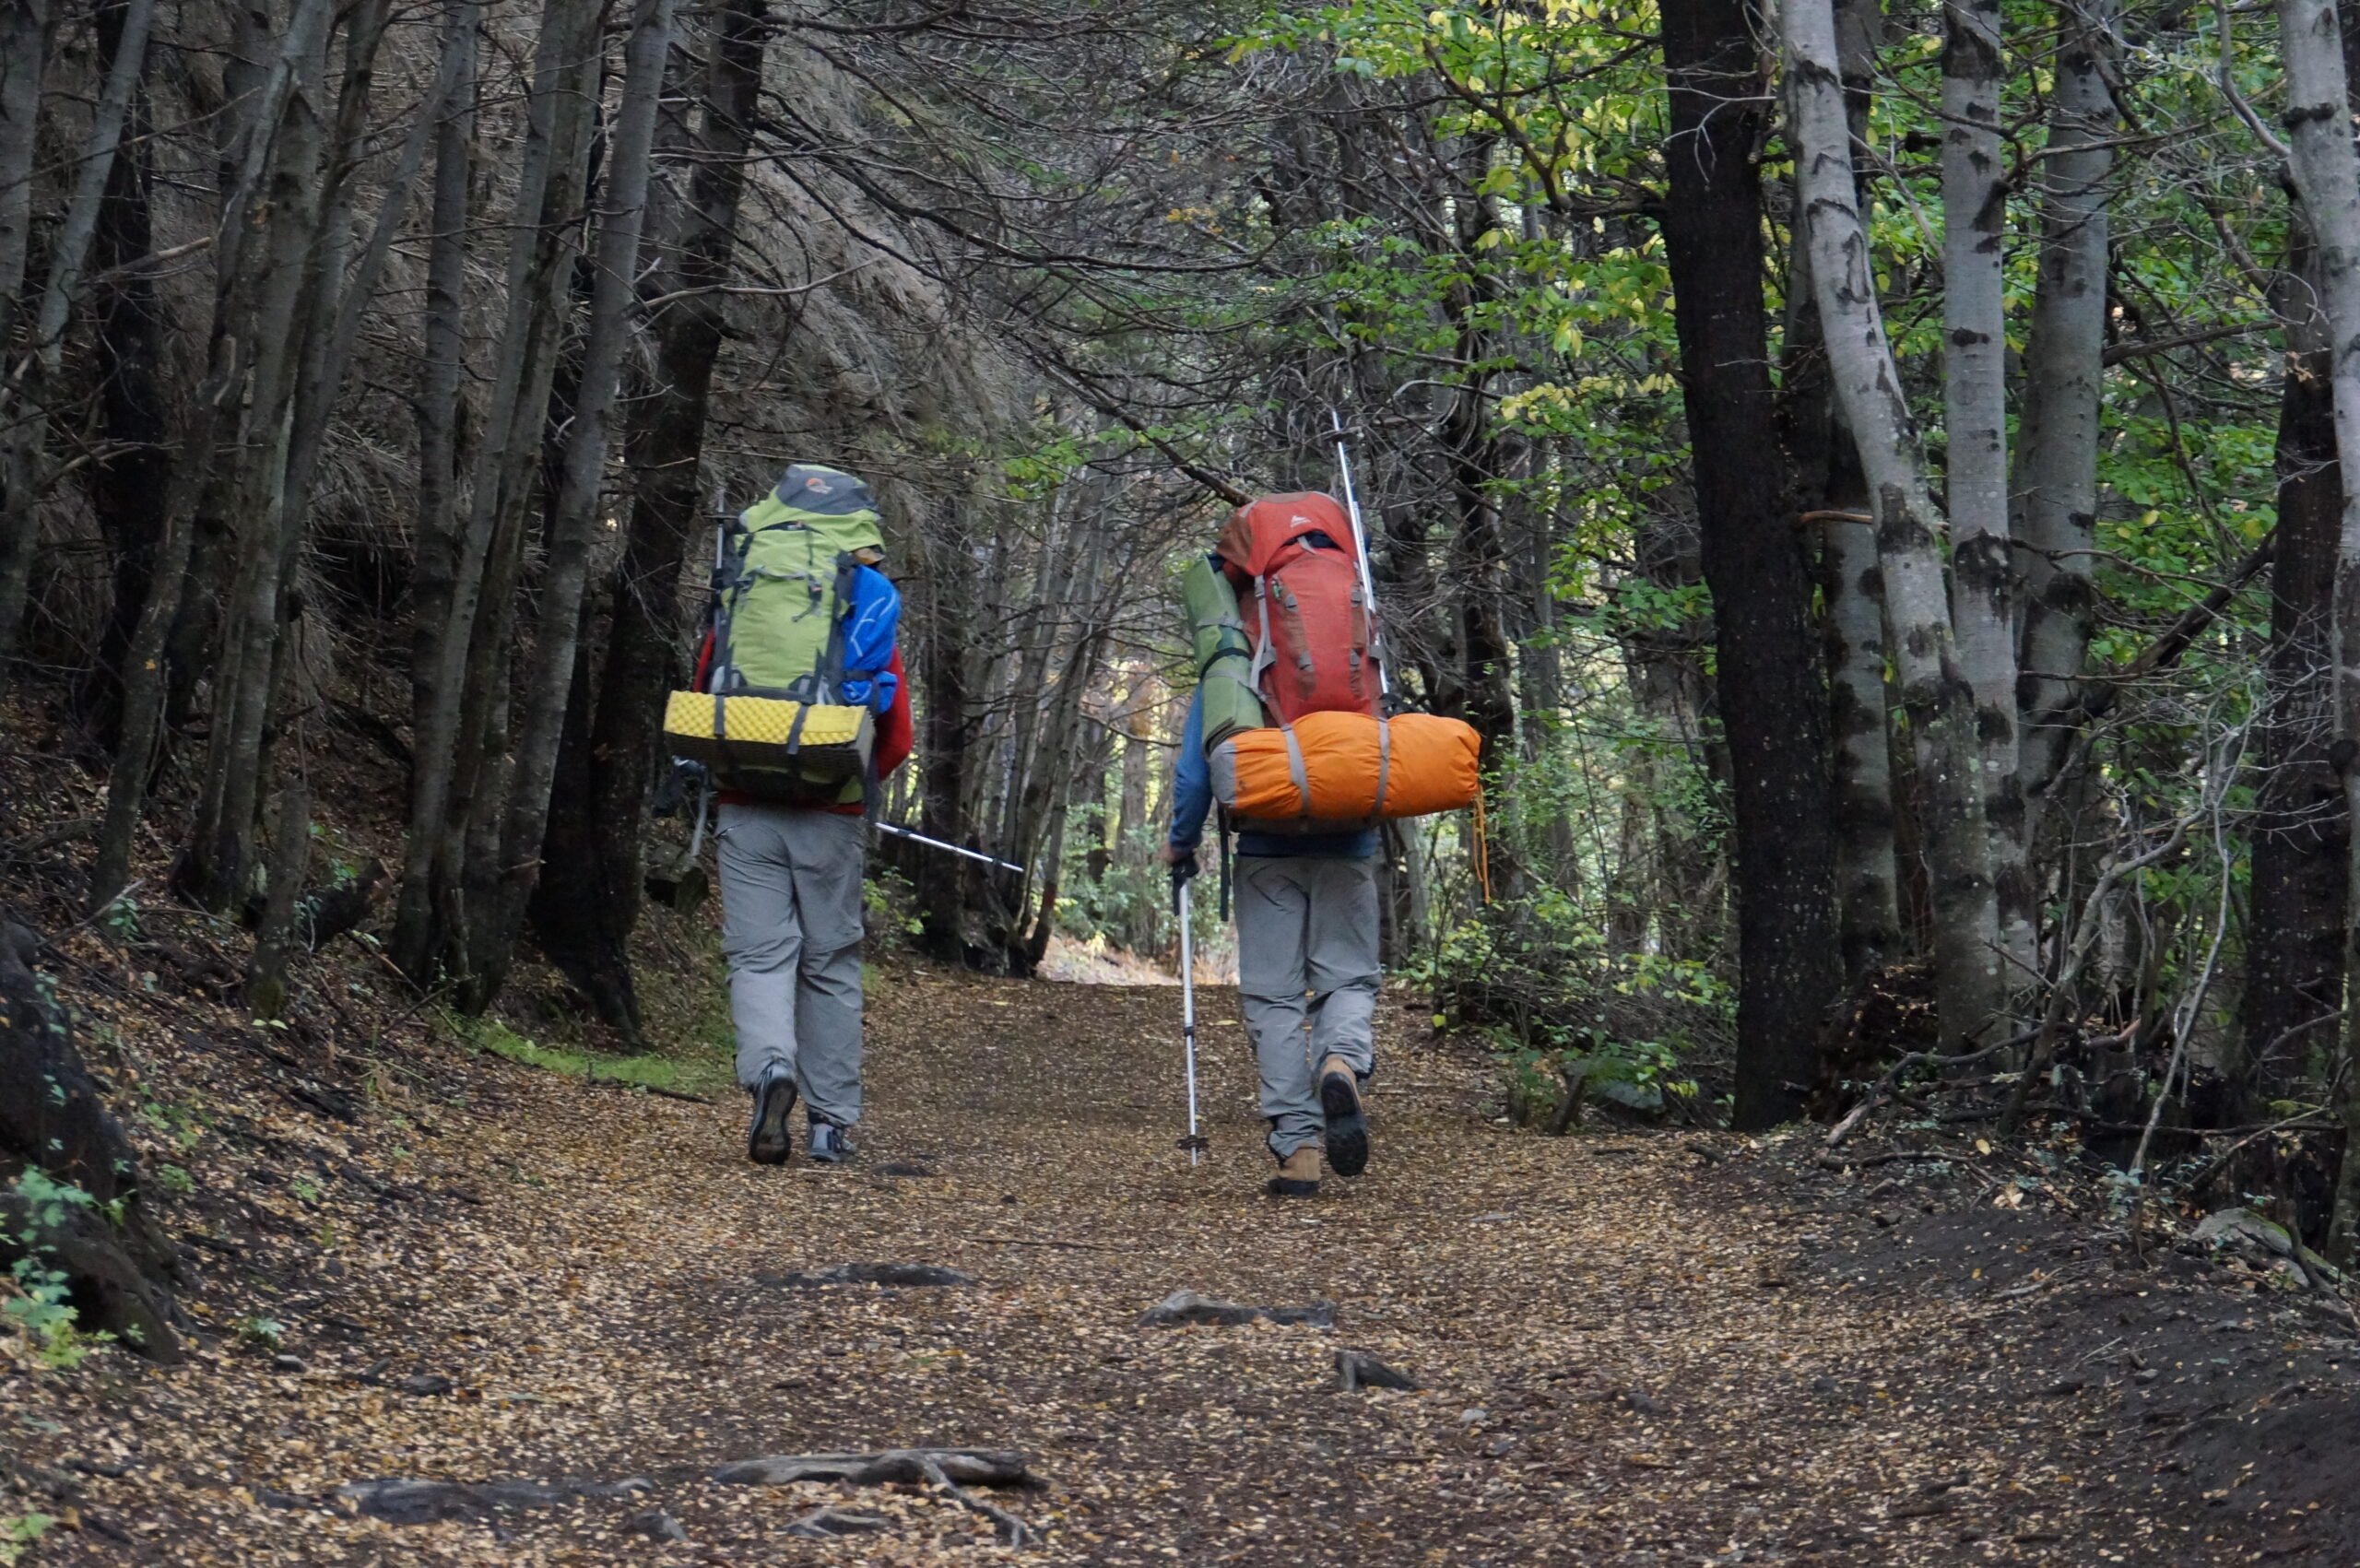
(1630, 1354)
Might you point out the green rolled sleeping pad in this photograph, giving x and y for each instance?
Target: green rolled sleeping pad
(1224, 663)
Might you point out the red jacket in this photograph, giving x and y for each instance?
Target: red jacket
(894, 733)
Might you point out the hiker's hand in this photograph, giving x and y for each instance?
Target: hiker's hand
(1171, 856)
(1183, 863)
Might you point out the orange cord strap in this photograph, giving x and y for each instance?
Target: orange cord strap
(1483, 849)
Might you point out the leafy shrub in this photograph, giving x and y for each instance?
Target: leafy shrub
(1565, 1015)
(19, 1531)
(34, 1296)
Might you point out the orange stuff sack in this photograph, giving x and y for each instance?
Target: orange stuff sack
(1332, 770)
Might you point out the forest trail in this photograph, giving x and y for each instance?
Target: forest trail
(1635, 1348)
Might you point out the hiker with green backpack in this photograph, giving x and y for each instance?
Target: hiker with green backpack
(798, 708)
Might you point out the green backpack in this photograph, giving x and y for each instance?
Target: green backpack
(783, 586)
(781, 590)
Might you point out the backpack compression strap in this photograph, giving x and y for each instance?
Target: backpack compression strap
(833, 673)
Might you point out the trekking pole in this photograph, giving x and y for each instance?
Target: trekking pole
(952, 848)
(1360, 548)
(1194, 1143)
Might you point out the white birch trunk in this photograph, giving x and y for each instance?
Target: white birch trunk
(2326, 168)
(1968, 983)
(2057, 449)
(1975, 418)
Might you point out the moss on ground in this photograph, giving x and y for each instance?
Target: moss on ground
(703, 1069)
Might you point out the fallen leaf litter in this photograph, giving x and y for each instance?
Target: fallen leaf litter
(592, 1303)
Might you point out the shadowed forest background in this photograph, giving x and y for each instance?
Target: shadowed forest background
(1870, 475)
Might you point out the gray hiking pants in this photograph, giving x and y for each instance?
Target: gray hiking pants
(1306, 977)
(790, 928)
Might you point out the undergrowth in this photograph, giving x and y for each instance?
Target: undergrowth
(705, 1071)
(19, 1531)
(34, 1294)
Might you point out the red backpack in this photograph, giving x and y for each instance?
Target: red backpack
(1307, 622)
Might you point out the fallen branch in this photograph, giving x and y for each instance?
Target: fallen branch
(1846, 1161)
(975, 1467)
(1018, 1532)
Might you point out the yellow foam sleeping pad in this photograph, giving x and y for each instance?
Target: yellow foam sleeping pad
(754, 744)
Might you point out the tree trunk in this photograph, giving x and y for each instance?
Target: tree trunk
(440, 406)
(24, 414)
(130, 488)
(525, 477)
(2326, 168)
(1479, 557)
(1970, 987)
(218, 865)
(24, 58)
(147, 684)
(1768, 674)
(345, 294)
(1975, 211)
(2064, 370)
(945, 730)
(567, 907)
(290, 855)
(454, 692)
(574, 525)
(2294, 936)
(1828, 480)
(665, 452)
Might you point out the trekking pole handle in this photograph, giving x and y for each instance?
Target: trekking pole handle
(1360, 548)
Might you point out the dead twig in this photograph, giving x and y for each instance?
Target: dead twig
(2205, 1172)
(1882, 1091)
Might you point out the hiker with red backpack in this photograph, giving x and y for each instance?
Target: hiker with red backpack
(1306, 900)
(1288, 731)
(798, 708)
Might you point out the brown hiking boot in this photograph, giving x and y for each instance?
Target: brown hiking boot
(1298, 1173)
(1339, 1101)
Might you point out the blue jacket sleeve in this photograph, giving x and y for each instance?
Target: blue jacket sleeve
(869, 628)
(1192, 781)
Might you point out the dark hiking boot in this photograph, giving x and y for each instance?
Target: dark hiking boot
(1298, 1175)
(829, 1144)
(768, 1142)
(1339, 1100)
